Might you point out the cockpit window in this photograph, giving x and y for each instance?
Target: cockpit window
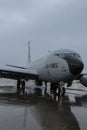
(62, 55)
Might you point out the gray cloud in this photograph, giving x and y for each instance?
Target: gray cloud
(50, 24)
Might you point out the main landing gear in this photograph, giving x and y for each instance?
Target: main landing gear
(20, 87)
(57, 90)
(45, 90)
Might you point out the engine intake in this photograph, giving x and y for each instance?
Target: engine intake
(83, 80)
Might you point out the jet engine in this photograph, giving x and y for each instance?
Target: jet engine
(83, 80)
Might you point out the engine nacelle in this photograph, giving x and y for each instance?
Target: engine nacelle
(38, 83)
(83, 80)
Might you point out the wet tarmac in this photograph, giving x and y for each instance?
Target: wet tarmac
(43, 113)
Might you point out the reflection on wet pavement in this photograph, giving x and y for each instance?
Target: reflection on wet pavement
(81, 116)
(43, 115)
(54, 116)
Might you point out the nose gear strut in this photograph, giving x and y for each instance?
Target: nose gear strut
(57, 90)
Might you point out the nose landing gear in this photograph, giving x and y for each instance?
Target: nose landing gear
(63, 91)
(57, 90)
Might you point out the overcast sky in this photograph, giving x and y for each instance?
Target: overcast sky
(49, 24)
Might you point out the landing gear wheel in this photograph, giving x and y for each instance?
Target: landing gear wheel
(38, 91)
(63, 91)
(59, 91)
(45, 90)
(53, 89)
(18, 87)
(23, 87)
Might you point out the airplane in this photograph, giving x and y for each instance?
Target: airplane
(57, 68)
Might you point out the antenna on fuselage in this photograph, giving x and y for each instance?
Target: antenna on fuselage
(29, 52)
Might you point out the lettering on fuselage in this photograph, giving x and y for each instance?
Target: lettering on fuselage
(55, 65)
(52, 65)
(63, 69)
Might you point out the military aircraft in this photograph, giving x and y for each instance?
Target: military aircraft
(57, 68)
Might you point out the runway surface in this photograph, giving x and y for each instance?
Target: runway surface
(43, 113)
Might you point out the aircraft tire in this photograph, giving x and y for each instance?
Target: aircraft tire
(63, 91)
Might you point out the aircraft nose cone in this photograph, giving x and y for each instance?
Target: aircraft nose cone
(75, 65)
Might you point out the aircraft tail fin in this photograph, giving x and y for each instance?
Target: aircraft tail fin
(29, 53)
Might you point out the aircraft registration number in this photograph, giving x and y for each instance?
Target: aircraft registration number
(52, 65)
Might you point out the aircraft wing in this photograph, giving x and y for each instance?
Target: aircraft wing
(18, 73)
(14, 66)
